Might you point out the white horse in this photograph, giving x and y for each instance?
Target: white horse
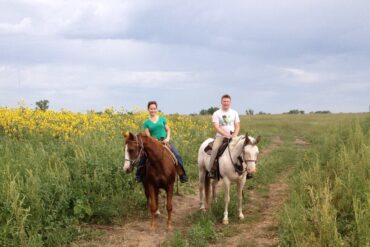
(244, 146)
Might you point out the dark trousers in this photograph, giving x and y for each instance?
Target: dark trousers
(179, 159)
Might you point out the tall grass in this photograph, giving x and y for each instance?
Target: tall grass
(50, 185)
(329, 202)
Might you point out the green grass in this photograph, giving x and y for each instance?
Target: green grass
(51, 187)
(329, 203)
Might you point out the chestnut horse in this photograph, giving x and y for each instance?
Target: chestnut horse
(159, 173)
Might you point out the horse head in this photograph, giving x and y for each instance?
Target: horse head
(250, 153)
(133, 149)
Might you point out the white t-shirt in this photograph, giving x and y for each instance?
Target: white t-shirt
(226, 119)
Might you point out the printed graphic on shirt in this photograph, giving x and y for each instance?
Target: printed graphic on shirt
(226, 120)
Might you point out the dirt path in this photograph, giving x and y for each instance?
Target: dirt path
(263, 230)
(138, 233)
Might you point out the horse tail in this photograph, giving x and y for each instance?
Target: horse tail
(207, 187)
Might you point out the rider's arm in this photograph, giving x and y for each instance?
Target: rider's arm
(168, 130)
(237, 128)
(220, 130)
(147, 132)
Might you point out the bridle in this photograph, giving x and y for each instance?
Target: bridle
(139, 143)
(243, 154)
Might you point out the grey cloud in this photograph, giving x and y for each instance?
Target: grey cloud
(271, 55)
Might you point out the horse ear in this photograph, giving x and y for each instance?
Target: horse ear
(258, 139)
(247, 141)
(126, 134)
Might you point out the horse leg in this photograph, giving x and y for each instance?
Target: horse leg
(240, 197)
(202, 178)
(214, 189)
(225, 220)
(157, 212)
(169, 206)
(153, 201)
(147, 195)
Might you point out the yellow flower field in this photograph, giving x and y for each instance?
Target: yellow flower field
(19, 121)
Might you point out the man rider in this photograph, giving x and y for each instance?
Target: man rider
(227, 124)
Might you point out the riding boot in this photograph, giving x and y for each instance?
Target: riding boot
(183, 177)
(216, 145)
(138, 175)
(139, 169)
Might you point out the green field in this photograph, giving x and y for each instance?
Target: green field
(51, 187)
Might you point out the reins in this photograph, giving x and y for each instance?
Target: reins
(243, 154)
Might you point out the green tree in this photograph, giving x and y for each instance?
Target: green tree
(42, 105)
(208, 111)
(249, 112)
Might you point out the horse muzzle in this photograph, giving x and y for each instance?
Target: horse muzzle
(251, 167)
(127, 167)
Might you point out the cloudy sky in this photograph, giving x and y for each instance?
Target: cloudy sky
(269, 55)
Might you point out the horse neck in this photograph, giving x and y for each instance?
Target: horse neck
(237, 150)
(152, 149)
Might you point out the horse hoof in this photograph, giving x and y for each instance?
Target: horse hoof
(157, 212)
(241, 217)
(225, 221)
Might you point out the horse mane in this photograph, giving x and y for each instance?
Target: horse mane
(236, 140)
(150, 138)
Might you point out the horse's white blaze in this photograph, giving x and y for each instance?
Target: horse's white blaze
(250, 155)
(127, 164)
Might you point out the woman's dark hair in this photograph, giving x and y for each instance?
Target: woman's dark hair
(152, 103)
(225, 96)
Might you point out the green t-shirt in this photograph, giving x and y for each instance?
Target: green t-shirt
(157, 129)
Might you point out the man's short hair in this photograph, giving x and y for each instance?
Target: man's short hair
(225, 96)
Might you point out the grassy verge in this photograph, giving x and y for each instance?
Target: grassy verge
(329, 203)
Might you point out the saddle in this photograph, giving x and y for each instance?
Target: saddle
(167, 147)
(221, 150)
(173, 157)
(225, 142)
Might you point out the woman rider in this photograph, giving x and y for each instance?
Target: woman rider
(157, 127)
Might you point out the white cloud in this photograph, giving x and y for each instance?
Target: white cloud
(58, 77)
(21, 27)
(301, 76)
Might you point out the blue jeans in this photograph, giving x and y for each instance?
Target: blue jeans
(144, 158)
(179, 159)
